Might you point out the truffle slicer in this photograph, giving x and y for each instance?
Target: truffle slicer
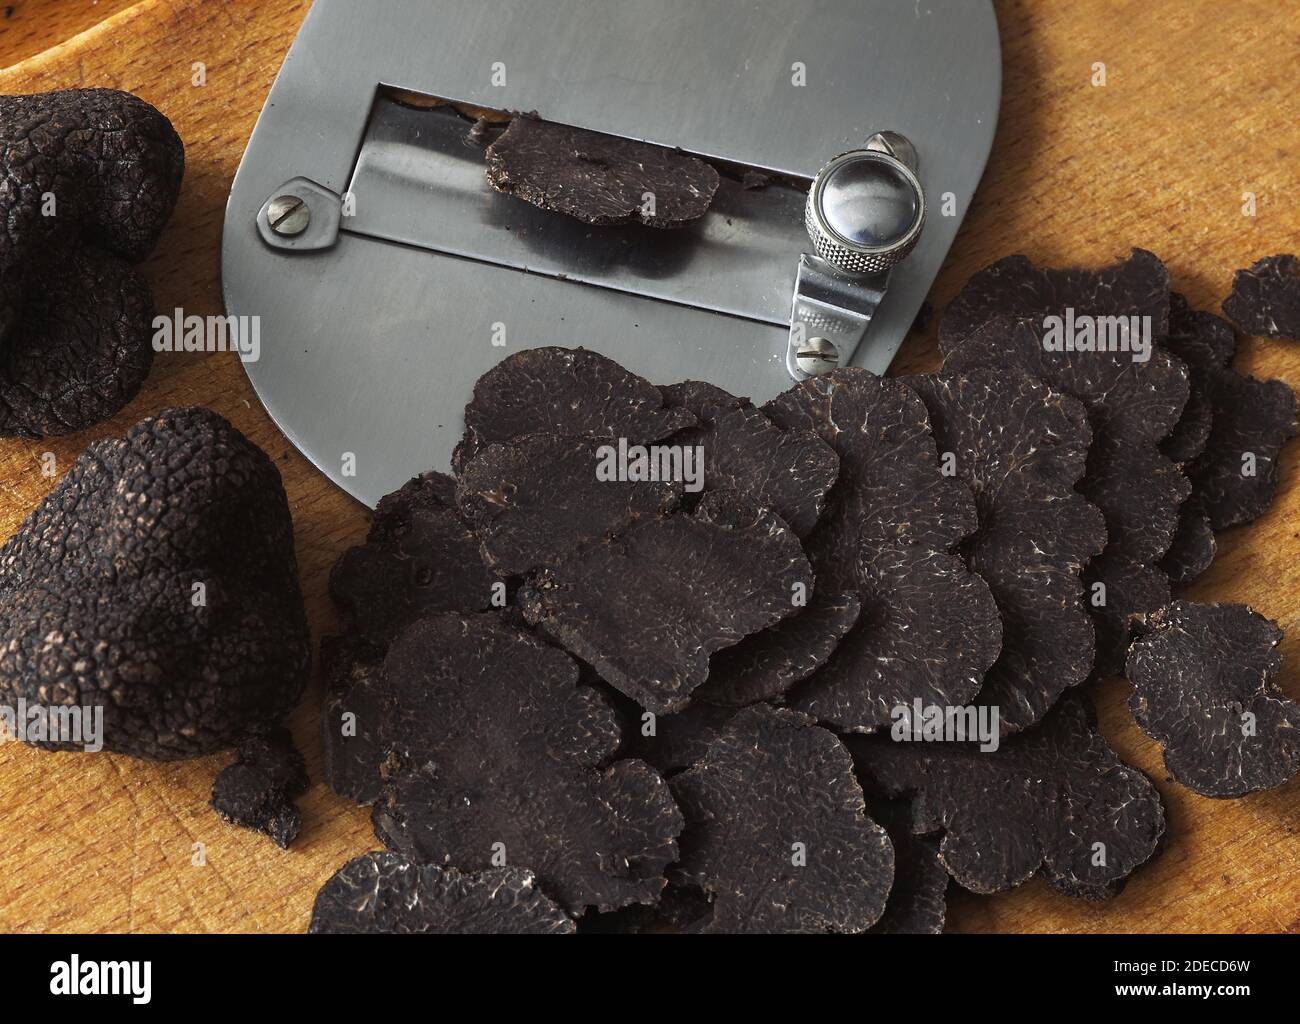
(386, 276)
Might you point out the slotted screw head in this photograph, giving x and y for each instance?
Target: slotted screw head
(288, 215)
(817, 356)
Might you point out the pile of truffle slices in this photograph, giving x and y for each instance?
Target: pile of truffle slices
(581, 690)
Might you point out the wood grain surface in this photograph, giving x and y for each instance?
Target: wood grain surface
(1198, 107)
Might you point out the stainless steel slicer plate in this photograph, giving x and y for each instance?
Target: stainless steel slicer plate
(377, 319)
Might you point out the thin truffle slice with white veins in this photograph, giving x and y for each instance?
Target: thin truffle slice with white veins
(495, 751)
(1054, 800)
(1265, 299)
(777, 830)
(918, 900)
(1132, 406)
(1194, 546)
(1203, 687)
(419, 559)
(536, 499)
(672, 743)
(789, 472)
(1236, 476)
(1134, 287)
(648, 608)
(1021, 447)
(1118, 589)
(766, 665)
(352, 716)
(572, 392)
(1207, 344)
(386, 894)
(929, 628)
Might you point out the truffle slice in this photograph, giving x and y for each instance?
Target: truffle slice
(764, 666)
(90, 178)
(672, 743)
(1194, 546)
(777, 830)
(599, 179)
(1206, 344)
(496, 753)
(1132, 407)
(918, 903)
(158, 580)
(419, 559)
(1014, 287)
(571, 392)
(1265, 299)
(386, 894)
(353, 716)
(1021, 447)
(1203, 687)
(536, 500)
(648, 608)
(1119, 589)
(1236, 476)
(929, 627)
(258, 790)
(789, 472)
(1054, 800)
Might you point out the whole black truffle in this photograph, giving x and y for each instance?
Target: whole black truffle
(158, 581)
(88, 180)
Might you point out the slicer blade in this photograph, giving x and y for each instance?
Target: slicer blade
(375, 325)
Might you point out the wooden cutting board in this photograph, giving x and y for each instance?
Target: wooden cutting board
(1198, 107)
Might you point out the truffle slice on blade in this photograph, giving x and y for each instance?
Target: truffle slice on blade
(790, 472)
(387, 894)
(495, 752)
(537, 499)
(648, 608)
(258, 790)
(1203, 686)
(929, 627)
(419, 559)
(158, 580)
(571, 392)
(1265, 299)
(1054, 800)
(777, 830)
(599, 179)
(1021, 447)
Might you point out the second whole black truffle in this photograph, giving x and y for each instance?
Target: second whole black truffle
(158, 581)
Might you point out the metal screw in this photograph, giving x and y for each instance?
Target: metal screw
(818, 356)
(288, 215)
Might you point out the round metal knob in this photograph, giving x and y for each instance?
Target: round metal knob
(865, 211)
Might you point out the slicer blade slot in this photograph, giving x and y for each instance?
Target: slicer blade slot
(416, 182)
